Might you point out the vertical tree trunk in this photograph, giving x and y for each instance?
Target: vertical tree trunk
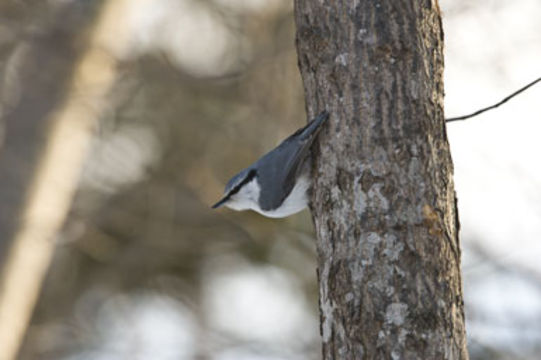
(384, 204)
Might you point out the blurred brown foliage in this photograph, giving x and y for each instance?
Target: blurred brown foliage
(166, 142)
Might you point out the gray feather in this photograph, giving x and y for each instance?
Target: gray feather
(279, 168)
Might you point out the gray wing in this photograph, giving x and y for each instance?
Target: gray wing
(278, 169)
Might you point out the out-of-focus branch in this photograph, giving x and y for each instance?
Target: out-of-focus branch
(61, 97)
(513, 267)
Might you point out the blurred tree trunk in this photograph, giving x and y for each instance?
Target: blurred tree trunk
(53, 81)
(384, 205)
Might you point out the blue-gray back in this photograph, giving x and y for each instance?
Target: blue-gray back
(279, 168)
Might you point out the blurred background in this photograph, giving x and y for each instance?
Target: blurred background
(121, 121)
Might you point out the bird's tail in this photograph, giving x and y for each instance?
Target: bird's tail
(313, 127)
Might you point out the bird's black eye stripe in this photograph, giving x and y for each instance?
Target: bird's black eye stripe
(246, 180)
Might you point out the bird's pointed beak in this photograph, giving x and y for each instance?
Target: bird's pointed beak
(220, 203)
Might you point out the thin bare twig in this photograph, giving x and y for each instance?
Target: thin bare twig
(464, 117)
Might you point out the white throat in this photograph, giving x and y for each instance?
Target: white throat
(247, 198)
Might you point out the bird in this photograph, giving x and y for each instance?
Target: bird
(279, 183)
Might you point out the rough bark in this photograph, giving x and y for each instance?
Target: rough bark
(384, 203)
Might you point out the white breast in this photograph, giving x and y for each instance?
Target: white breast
(248, 196)
(296, 201)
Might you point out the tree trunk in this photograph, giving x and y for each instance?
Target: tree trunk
(384, 205)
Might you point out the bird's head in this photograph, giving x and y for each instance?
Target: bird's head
(241, 192)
